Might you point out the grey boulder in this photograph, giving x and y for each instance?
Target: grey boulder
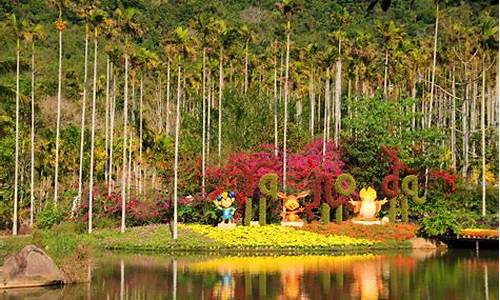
(30, 267)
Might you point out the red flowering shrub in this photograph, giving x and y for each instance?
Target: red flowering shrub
(448, 178)
(306, 170)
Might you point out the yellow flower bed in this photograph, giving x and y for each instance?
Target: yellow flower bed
(274, 236)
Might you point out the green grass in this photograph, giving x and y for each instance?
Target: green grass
(152, 237)
(66, 243)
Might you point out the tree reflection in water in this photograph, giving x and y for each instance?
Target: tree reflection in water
(453, 275)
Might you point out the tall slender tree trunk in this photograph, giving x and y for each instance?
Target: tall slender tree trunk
(285, 112)
(465, 131)
(167, 126)
(311, 102)
(82, 126)
(221, 83)
(106, 116)
(209, 110)
(32, 166)
(125, 144)
(453, 141)
(473, 111)
(176, 154)
(326, 116)
(58, 126)
(275, 108)
(431, 102)
(16, 170)
(92, 136)
(414, 105)
(131, 134)
(140, 135)
(160, 107)
(246, 68)
(483, 145)
(318, 109)
(112, 133)
(280, 80)
(204, 123)
(386, 66)
(338, 91)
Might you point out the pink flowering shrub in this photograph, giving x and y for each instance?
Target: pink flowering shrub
(305, 169)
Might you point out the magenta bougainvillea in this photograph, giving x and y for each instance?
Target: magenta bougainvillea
(306, 170)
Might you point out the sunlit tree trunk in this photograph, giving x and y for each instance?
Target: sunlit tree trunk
(326, 116)
(414, 105)
(16, 170)
(92, 136)
(82, 126)
(465, 133)
(431, 102)
(338, 91)
(275, 108)
(111, 133)
(318, 109)
(32, 166)
(106, 125)
(473, 112)
(311, 102)
(386, 66)
(160, 108)
(176, 154)
(209, 110)
(453, 141)
(58, 126)
(204, 123)
(125, 144)
(285, 113)
(483, 145)
(167, 127)
(140, 136)
(246, 68)
(131, 135)
(221, 83)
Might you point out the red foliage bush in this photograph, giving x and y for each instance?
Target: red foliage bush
(449, 178)
(397, 164)
(306, 170)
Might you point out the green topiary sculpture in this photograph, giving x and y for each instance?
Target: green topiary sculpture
(268, 186)
(325, 213)
(262, 210)
(248, 212)
(345, 190)
(393, 209)
(338, 214)
(410, 188)
(404, 209)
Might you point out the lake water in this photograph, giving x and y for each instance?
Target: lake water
(455, 274)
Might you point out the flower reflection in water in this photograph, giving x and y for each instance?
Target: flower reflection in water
(224, 289)
(454, 275)
(295, 271)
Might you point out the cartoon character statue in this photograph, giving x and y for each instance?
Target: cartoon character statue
(292, 206)
(368, 207)
(224, 203)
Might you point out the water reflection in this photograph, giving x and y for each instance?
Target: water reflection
(454, 275)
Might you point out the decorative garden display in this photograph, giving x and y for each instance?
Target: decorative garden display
(368, 207)
(292, 209)
(224, 203)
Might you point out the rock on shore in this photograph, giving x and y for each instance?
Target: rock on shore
(30, 267)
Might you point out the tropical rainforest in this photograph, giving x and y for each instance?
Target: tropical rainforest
(117, 110)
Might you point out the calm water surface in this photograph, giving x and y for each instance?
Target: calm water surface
(418, 275)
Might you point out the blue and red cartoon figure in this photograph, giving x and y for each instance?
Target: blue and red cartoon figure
(224, 202)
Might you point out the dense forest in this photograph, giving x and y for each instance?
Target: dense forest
(150, 99)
